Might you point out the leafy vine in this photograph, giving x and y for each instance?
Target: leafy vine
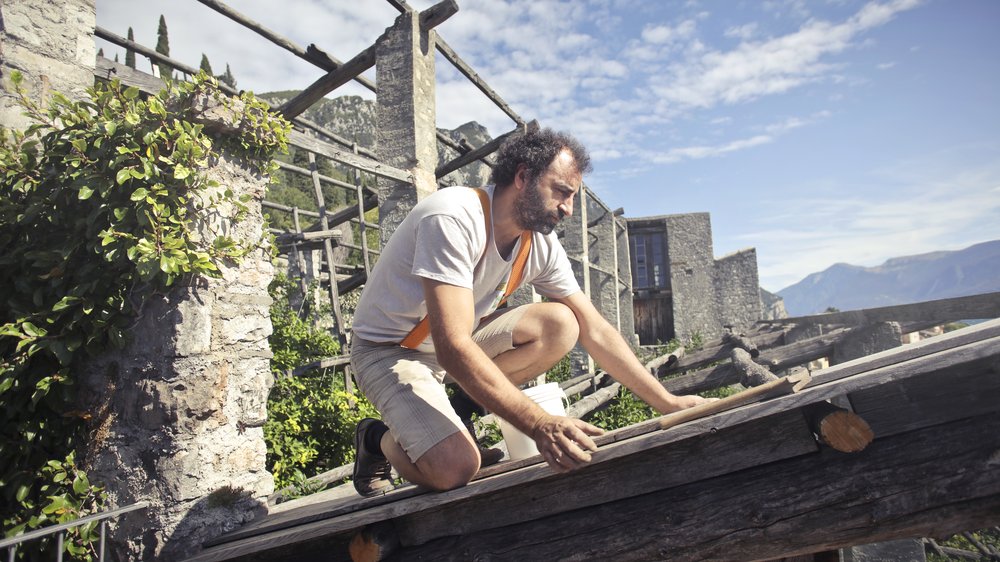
(99, 207)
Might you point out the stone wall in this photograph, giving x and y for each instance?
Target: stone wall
(692, 275)
(737, 289)
(179, 411)
(704, 295)
(52, 45)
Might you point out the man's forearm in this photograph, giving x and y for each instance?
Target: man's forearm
(615, 356)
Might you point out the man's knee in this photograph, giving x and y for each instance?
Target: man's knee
(560, 322)
(451, 463)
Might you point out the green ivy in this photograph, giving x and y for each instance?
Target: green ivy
(98, 201)
(311, 417)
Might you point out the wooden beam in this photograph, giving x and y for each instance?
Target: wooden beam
(361, 62)
(839, 428)
(465, 69)
(312, 55)
(345, 157)
(742, 342)
(943, 479)
(482, 151)
(942, 310)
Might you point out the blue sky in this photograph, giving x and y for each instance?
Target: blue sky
(817, 132)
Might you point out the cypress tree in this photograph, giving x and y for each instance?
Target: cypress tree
(205, 65)
(228, 78)
(129, 53)
(100, 52)
(163, 47)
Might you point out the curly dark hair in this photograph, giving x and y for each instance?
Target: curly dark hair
(536, 150)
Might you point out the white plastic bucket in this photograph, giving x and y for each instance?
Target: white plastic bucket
(550, 397)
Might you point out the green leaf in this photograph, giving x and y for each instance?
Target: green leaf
(139, 194)
(80, 484)
(85, 192)
(123, 176)
(180, 172)
(64, 303)
(32, 330)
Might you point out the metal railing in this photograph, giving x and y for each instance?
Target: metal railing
(12, 543)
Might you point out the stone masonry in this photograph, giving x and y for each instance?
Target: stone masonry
(51, 44)
(179, 412)
(699, 294)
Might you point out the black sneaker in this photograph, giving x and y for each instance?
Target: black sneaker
(372, 473)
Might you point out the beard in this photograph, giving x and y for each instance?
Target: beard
(529, 209)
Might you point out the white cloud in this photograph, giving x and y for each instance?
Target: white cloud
(663, 34)
(744, 32)
(885, 65)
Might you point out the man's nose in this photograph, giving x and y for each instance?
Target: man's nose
(566, 209)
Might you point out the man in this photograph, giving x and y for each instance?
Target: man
(450, 260)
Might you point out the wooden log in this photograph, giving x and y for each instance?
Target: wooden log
(742, 342)
(763, 337)
(779, 387)
(375, 542)
(839, 428)
(751, 374)
(665, 361)
(941, 311)
(589, 403)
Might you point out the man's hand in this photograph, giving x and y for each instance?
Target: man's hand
(564, 442)
(687, 401)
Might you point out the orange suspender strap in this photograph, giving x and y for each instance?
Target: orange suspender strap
(420, 332)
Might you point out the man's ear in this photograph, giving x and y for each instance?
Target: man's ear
(521, 176)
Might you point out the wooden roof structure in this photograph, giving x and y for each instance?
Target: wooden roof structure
(752, 481)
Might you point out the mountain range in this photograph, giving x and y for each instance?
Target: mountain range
(935, 275)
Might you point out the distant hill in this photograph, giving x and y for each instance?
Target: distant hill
(353, 117)
(936, 275)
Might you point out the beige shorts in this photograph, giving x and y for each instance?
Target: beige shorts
(407, 386)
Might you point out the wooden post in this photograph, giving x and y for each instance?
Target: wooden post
(328, 252)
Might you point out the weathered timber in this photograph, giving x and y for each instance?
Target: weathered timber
(312, 55)
(324, 179)
(361, 62)
(591, 402)
(296, 237)
(839, 428)
(153, 55)
(765, 391)
(465, 69)
(742, 342)
(941, 311)
(108, 70)
(717, 350)
(488, 148)
(307, 525)
(751, 374)
(648, 464)
(802, 352)
(777, 358)
(665, 361)
(287, 209)
(899, 487)
(345, 157)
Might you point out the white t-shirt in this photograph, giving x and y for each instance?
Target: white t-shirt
(444, 238)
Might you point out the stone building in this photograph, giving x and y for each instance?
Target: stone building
(679, 288)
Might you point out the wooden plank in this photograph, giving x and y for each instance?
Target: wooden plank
(791, 437)
(941, 311)
(308, 523)
(979, 332)
(312, 55)
(705, 456)
(938, 480)
(349, 158)
(968, 389)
